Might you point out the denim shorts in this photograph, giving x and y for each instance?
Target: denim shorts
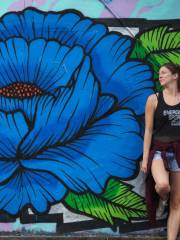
(172, 163)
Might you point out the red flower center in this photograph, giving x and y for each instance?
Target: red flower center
(20, 90)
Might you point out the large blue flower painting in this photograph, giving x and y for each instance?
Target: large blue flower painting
(70, 97)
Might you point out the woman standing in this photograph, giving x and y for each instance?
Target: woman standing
(161, 157)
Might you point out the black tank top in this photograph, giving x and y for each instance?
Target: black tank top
(166, 121)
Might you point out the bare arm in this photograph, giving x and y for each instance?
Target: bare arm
(149, 119)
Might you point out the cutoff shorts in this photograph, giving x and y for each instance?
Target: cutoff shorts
(172, 163)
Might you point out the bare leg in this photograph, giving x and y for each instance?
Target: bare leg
(174, 216)
(161, 178)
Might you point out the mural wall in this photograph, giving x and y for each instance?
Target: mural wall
(73, 89)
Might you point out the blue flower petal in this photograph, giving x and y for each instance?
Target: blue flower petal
(105, 104)
(68, 28)
(13, 62)
(22, 25)
(49, 30)
(53, 64)
(61, 120)
(102, 151)
(13, 128)
(34, 188)
(27, 105)
(135, 87)
(32, 24)
(50, 67)
(129, 81)
(10, 26)
(85, 33)
(7, 168)
(63, 27)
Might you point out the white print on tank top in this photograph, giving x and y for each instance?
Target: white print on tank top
(173, 116)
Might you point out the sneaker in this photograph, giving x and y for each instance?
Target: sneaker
(161, 208)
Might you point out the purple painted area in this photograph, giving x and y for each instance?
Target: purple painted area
(116, 8)
(18, 5)
(21, 4)
(143, 10)
(6, 227)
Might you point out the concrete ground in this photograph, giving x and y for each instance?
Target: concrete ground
(79, 238)
(82, 238)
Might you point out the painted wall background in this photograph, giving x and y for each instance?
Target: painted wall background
(150, 9)
(92, 81)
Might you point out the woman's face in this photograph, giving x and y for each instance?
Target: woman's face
(166, 76)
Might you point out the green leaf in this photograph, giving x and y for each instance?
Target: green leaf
(157, 46)
(117, 202)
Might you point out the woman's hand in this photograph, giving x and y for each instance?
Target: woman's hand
(144, 166)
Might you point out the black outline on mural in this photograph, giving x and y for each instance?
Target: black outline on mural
(92, 224)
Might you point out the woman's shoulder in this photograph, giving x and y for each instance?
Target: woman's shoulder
(153, 99)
